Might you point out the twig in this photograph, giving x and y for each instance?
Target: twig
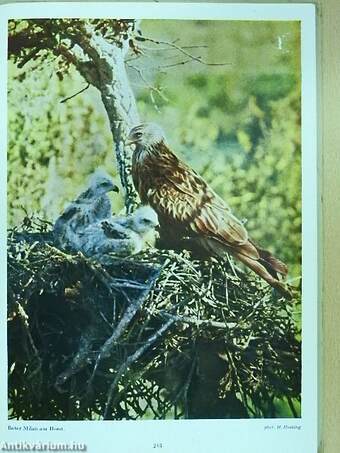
(174, 65)
(130, 312)
(151, 87)
(162, 49)
(237, 378)
(186, 386)
(131, 359)
(180, 49)
(79, 361)
(199, 322)
(74, 95)
(25, 319)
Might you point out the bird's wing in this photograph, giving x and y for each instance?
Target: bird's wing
(113, 230)
(120, 220)
(186, 198)
(86, 196)
(66, 216)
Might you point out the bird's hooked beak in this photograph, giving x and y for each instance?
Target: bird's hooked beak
(115, 188)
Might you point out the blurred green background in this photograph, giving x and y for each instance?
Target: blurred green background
(237, 124)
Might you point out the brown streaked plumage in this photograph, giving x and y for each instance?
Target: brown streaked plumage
(188, 208)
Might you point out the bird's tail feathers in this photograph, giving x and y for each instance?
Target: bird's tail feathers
(273, 265)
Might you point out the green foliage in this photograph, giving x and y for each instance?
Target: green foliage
(53, 147)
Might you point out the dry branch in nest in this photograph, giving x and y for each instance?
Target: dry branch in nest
(158, 335)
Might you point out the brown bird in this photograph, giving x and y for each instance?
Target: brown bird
(188, 208)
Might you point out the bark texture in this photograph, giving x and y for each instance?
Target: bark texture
(102, 64)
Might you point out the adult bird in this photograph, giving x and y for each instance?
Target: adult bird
(188, 208)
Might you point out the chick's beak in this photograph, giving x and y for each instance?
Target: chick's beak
(115, 188)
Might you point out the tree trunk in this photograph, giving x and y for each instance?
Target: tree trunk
(102, 64)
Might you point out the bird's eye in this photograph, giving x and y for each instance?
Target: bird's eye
(147, 221)
(138, 134)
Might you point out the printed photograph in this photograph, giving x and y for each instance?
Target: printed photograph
(154, 219)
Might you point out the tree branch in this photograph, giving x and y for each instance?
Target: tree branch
(198, 322)
(181, 50)
(130, 312)
(131, 359)
(148, 85)
(102, 65)
(75, 94)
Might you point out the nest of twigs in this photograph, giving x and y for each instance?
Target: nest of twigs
(158, 335)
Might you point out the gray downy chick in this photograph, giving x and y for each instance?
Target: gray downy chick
(121, 235)
(91, 206)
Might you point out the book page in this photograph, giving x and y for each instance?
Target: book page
(161, 177)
